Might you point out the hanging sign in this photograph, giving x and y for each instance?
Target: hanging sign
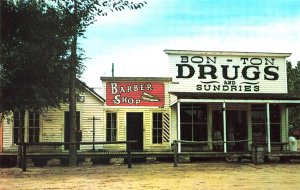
(135, 94)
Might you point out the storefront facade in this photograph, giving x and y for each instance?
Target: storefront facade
(137, 109)
(229, 96)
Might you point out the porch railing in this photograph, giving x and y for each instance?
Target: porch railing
(26, 145)
(254, 146)
(176, 143)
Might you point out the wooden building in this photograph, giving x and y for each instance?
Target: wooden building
(237, 98)
(137, 109)
(229, 96)
(53, 124)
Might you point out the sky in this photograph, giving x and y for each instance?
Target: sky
(135, 40)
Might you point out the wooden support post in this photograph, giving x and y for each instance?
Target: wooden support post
(93, 134)
(129, 154)
(175, 154)
(268, 128)
(255, 154)
(224, 128)
(23, 158)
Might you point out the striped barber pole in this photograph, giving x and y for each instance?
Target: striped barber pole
(166, 127)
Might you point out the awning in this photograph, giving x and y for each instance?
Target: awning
(291, 100)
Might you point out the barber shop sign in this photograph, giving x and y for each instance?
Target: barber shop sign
(135, 94)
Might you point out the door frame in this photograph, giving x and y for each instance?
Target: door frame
(78, 116)
(140, 132)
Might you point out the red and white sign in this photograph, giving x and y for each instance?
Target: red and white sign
(135, 94)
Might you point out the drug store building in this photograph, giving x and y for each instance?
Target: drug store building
(242, 95)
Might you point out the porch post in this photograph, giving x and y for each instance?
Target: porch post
(268, 127)
(178, 126)
(224, 126)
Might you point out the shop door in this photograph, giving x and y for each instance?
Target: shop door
(236, 128)
(135, 130)
(67, 128)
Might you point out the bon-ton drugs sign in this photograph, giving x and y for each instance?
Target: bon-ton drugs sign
(228, 74)
(135, 94)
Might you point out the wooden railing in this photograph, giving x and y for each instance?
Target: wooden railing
(176, 142)
(26, 145)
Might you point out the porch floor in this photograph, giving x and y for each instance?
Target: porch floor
(170, 155)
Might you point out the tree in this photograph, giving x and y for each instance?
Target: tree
(81, 14)
(34, 58)
(294, 89)
(39, 41)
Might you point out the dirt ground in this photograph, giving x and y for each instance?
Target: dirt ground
(207, 175)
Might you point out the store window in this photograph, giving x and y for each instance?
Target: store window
(111, 126)
(17, 121)
(193, 122)
(275, 120)
(259, 122)
(34, 127)
(157, 128)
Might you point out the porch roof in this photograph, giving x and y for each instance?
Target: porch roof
(237, 97)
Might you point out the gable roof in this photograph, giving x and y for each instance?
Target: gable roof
(90, 90)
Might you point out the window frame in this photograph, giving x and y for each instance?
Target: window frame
(260, 126)
(111, 128)
(36, 128)
(157, 128)
(198, 121)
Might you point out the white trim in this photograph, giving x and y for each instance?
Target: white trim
(224, 127)
(239, 101)
(178, 127)
(232, 53)
(268, 127)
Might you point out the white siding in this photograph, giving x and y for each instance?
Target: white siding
(173, 123)
(284, 124)
(52, 124)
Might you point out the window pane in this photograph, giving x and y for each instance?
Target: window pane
(275, 113)
(108, 134)
(275, 132)
(159, 116)
(199, 113)
(156, 128)
(186, 132)
(113, 135)
(111, 127)
(186, 113)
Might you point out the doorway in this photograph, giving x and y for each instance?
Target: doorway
(67, 128)
(135, 130)
(236, 128)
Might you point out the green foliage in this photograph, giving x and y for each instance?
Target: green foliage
(34, 57)
(294, 89)
(82, 13)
